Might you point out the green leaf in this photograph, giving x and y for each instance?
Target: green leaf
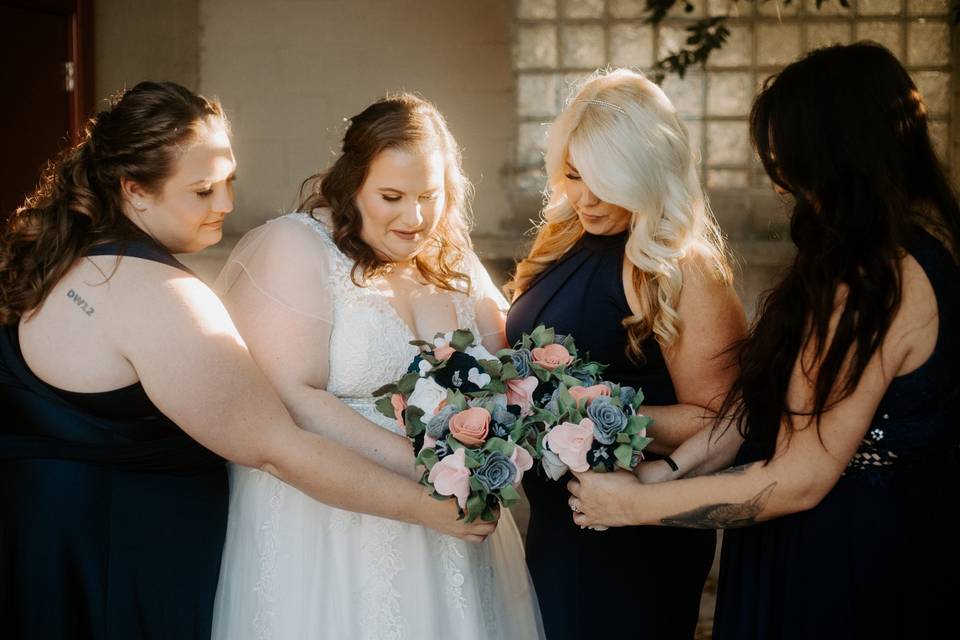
(540, 372)
(422, 343)
(624, 455)
(407, 382)
(542, 336)
(385, 407)
(462, 339)
(508, 372)
(500, 445)
(570, 381)
(639, 443)
(496, 386)
(637, 399)
(428, 458)
(472, 460)
(636, 424)
(491, 367)
(488, 515)
(623, 438)
(475, 484)
(412, 421)
(506, 352)
(508, 495)
(385, 389)
(475, 506)
(526, 342)
(456, 399)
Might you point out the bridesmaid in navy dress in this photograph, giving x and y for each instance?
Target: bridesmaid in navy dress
(124, 385)
(848, 394)
(629, 262)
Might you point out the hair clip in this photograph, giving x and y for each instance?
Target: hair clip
(604, 103)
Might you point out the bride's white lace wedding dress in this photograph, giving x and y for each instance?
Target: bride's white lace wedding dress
(294, 568)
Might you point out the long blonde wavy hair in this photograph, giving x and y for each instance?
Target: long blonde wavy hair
(631, 149)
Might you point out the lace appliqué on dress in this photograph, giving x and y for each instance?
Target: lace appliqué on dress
(266, 586)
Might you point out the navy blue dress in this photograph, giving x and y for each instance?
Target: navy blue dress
(628, 582)
(879, 557)
(112, 519)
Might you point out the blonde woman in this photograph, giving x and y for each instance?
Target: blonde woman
(630, 262)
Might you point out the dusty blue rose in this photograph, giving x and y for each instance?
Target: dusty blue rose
(608, 419)
(496, 472)
(584, 377)
(503, 421)
(627, 394)
(521, 362)
(438, 426)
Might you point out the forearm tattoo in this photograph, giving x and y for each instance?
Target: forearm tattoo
(80, 302)
(724, 515)
(734, 470)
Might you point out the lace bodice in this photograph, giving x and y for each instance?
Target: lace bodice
(369, 342)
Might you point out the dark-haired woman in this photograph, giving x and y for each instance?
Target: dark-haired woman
(848, 481)
(124, 384)
(328, 301)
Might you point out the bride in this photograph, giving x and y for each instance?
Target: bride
(327, 303)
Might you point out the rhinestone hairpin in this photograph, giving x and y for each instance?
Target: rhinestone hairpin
(604, 103)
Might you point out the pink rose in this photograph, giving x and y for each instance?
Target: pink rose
(399, 404)
(520, 392)
(551, 356)
(444, 352)
(522, 459)
(471, 426)
(571, 442)
(589, 393)
(429, 442)
(450, 477)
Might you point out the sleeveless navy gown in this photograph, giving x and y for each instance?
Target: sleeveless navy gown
(879, 557)
(629, 582)
(112, 519)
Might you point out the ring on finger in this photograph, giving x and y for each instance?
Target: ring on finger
(575, 505)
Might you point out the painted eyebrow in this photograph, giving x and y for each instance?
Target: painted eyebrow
(203, 181)
(571, 167)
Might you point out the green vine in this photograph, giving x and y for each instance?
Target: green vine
(709, 34)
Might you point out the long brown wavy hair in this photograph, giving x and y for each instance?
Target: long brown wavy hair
(78, 203)
(407, 122)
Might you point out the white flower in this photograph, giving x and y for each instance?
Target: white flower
(427, 395)
(443, 340)
(477, 378)
(425, 368)
(478, 352)
(552, 465)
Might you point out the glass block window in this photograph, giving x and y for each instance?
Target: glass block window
(558, 42)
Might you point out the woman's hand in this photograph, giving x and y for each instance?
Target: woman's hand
(602, 499)
(441, 515)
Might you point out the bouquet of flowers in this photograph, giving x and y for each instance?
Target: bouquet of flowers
(478, 421)
(582, 422)
(458, 405)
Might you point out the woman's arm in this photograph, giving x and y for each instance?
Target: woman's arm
(807, 461)
(195, 367)
(709, 450)
(291, 349)
(700, 363)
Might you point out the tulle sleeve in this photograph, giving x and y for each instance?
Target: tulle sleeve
(276, 285)
(489, 304)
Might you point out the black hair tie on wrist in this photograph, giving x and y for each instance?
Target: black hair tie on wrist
(669, 461)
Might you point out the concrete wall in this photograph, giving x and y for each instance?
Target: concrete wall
(289, 72)
(138, 40)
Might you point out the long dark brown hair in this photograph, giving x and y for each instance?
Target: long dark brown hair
(844, 130)
(407, 122)
(78, 203)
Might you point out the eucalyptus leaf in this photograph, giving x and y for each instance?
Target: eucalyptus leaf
(385, 407)
(462, 339)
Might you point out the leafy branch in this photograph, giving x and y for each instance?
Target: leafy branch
(710, 34)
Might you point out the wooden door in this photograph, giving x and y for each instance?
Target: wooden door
(46, 84)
